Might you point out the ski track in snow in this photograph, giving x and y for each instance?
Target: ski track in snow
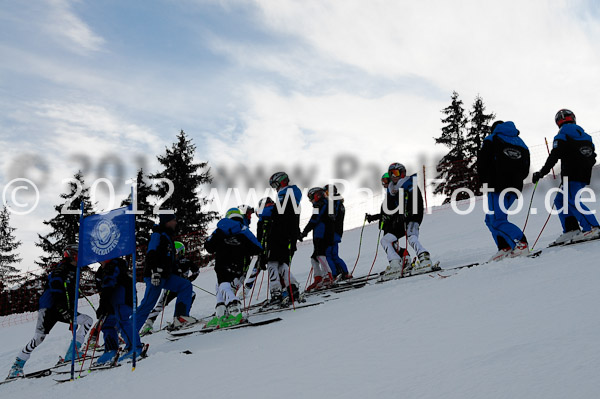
(521, 328)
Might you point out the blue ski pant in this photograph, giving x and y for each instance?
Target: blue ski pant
(173, 283)
(336, 264)
(119, 321)
(585, 221)
(497, 220)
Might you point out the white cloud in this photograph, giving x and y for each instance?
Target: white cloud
(526, 58)
(63, 23)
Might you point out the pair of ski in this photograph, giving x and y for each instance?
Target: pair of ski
(533, 254)
(176, 335)
(98, 367)
(47, 371)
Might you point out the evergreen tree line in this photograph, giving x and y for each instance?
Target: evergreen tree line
(179, 167)
(463, 134)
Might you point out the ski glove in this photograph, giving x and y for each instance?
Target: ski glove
(536, 177)
(302, 236)
(65, 314)
(156, 277)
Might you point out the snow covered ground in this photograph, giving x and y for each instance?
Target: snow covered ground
(521, 328)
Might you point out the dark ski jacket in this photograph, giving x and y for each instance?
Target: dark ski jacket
(60, 291)
(285, 226)
(503, 161)
(109, 278)
(232, 243)
(160, 253)
(395, 221)
(339, 215)
(321, 223)
(576, 151)
(263, 233)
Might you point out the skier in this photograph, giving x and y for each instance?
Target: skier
(184, 268)
(264, 212)
(385, 182)
(401, 197)
(282, 237)
(116, 305)
(576, 151)
(247, 212)
(231, 243)
(159, 274)
(323, 227)
(337, 265)
(56, 305)
(503, 163)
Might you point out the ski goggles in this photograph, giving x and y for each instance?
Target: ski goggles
(395, 173)
(385, 181)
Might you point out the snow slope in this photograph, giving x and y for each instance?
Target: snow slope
(521, 328)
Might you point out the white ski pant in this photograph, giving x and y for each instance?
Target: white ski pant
(280, 276)
(226, 293)
(320, 266)
(46, 320)
(412, 231)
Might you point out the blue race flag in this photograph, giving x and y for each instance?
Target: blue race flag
(106, 236)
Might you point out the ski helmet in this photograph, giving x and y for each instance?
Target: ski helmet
(265, 202)
(385, 179)
(315, 194)
(262, 204)
(564, 116)
(278, 178)
(234, 213)
(494, 125)
(246, 210)
(71, 250)
(330, 188)
(179, 248)
(396, 169)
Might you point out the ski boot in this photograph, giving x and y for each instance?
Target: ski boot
(220, 312)
(316, 284)
(234, 315)
(108, 357)
(78, 352)
(147, 328)
(181, 322)
(16, 370)
(501, 254)
(592, 234)
(521, 249)
(565, 237)
(139, 352)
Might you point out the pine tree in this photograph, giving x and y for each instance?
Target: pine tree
(453, 167)
(65, 225)
(145, 220)
(9, 274)
(479, 129)
(187, 177)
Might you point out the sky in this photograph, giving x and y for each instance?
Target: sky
(262, 86)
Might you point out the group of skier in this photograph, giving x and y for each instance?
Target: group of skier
(503, 164)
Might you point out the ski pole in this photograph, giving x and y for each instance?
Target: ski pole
(359, 245)
(308, 279)
(164, 305)
(88, 301)
(260, 286)
(251, 292)
(202, 289)
(289, 287)
(544, 226)
(376, 251)
(529, 209)
(97, 331)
